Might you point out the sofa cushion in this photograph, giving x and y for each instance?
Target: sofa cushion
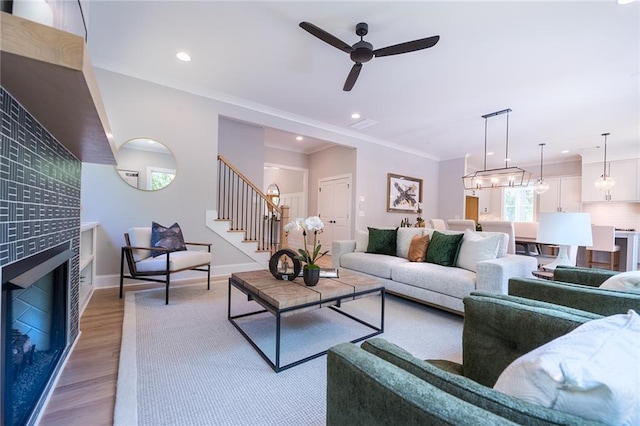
(362, 241)
(178, 260)
(443, 249)
(625, 281)
(166, 237)
(454, 282)
(591, 371)
(140, 237)
(369, 263)
(403, 241)
(382, 241)
(514, 409)
(418, 248)
(475, 248)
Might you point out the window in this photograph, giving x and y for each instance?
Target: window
(158, 178)
(518, 204)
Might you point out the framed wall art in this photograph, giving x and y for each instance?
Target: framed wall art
(403, 193)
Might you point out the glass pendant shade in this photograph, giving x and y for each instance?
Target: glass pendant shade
(605, 182)
(540, 187)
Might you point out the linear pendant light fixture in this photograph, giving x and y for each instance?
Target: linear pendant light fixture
(605, 182)
(507, 177)
(541, 186)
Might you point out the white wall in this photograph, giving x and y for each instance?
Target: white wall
(188, 125)
(451, 189)
(373, 164)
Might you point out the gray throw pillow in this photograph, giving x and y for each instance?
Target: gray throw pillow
(169, 238)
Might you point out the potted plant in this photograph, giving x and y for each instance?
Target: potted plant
(311, 271)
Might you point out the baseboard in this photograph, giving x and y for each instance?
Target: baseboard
(187, 277)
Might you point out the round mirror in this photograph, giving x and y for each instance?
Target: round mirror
(146, 164)
(273, 192)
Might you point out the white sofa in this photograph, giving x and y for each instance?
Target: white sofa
(429, 283)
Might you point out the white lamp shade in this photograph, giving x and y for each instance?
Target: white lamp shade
(571, 229)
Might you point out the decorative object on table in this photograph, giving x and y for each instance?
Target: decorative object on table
(419, 219)
(405, 223)
(540, 187)
(284, 265)
(309, 258)
(403, 193)
(497, 178)
(564, 229)
(605, 182)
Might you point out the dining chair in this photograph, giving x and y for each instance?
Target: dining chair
(504, 226)
(604, 240)
(438, 224)
(461, 224)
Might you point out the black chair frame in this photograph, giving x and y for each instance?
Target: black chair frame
(127, 254)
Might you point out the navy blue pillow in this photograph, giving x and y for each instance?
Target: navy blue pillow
(169, 238)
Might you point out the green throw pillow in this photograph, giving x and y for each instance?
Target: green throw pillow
(443, 249)
(382, 241)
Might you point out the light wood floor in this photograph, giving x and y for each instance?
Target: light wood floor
(86, 391)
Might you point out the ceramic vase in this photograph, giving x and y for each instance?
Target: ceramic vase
(311, 276)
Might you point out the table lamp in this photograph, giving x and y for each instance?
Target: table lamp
(564, 230)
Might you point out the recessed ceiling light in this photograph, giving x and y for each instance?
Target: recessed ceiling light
(183, 56)
(355, 115)
(507, 159)
(489, 153)
(625, 1)
(565, 151)
(299, 138)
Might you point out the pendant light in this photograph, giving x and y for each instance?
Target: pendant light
(541, 186)
(506, 177)
(605, 182)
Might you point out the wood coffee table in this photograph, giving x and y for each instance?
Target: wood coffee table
(282, 298)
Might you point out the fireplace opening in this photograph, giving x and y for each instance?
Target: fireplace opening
(34, 330)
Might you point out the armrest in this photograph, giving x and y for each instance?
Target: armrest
(585, 276)
(366, 390)
(586, 298)
(207, 245)
(340, 247)
(501, 328)
(147, 248)
(493, 275)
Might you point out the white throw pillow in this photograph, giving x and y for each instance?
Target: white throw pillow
(476, 248)
(362, 241)
(625, 281)
(403, 240)
(592, 372)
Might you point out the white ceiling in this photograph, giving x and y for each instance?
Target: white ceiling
(568, 70)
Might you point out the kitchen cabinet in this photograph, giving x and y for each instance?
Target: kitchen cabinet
(624, 172)
(563, 195)
(87, 262)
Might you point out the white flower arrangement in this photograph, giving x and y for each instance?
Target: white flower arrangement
(310, 224)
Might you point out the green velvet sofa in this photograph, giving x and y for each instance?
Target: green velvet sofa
(577, 288)
(379, 383)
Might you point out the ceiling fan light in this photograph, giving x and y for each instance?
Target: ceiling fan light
(605, 183)
(540, 187)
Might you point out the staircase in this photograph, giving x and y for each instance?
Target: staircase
(246, 217)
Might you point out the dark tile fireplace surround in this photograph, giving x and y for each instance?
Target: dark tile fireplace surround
(39, 220)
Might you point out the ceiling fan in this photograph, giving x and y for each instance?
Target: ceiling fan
(362, 51)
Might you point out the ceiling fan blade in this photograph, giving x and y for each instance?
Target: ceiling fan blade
(326, 37)
(410, 46)
(352, 77)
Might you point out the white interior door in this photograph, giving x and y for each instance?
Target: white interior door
(334, 207)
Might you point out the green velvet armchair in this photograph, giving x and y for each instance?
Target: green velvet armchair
(577, 288)
(379, 383)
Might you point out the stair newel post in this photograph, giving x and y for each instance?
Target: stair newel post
(284, 219)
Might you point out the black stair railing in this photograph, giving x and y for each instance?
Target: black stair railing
(249, 209)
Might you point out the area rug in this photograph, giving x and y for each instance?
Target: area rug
(186, 364)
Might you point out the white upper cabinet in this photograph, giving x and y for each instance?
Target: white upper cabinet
(624, 172)
(563, 195)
